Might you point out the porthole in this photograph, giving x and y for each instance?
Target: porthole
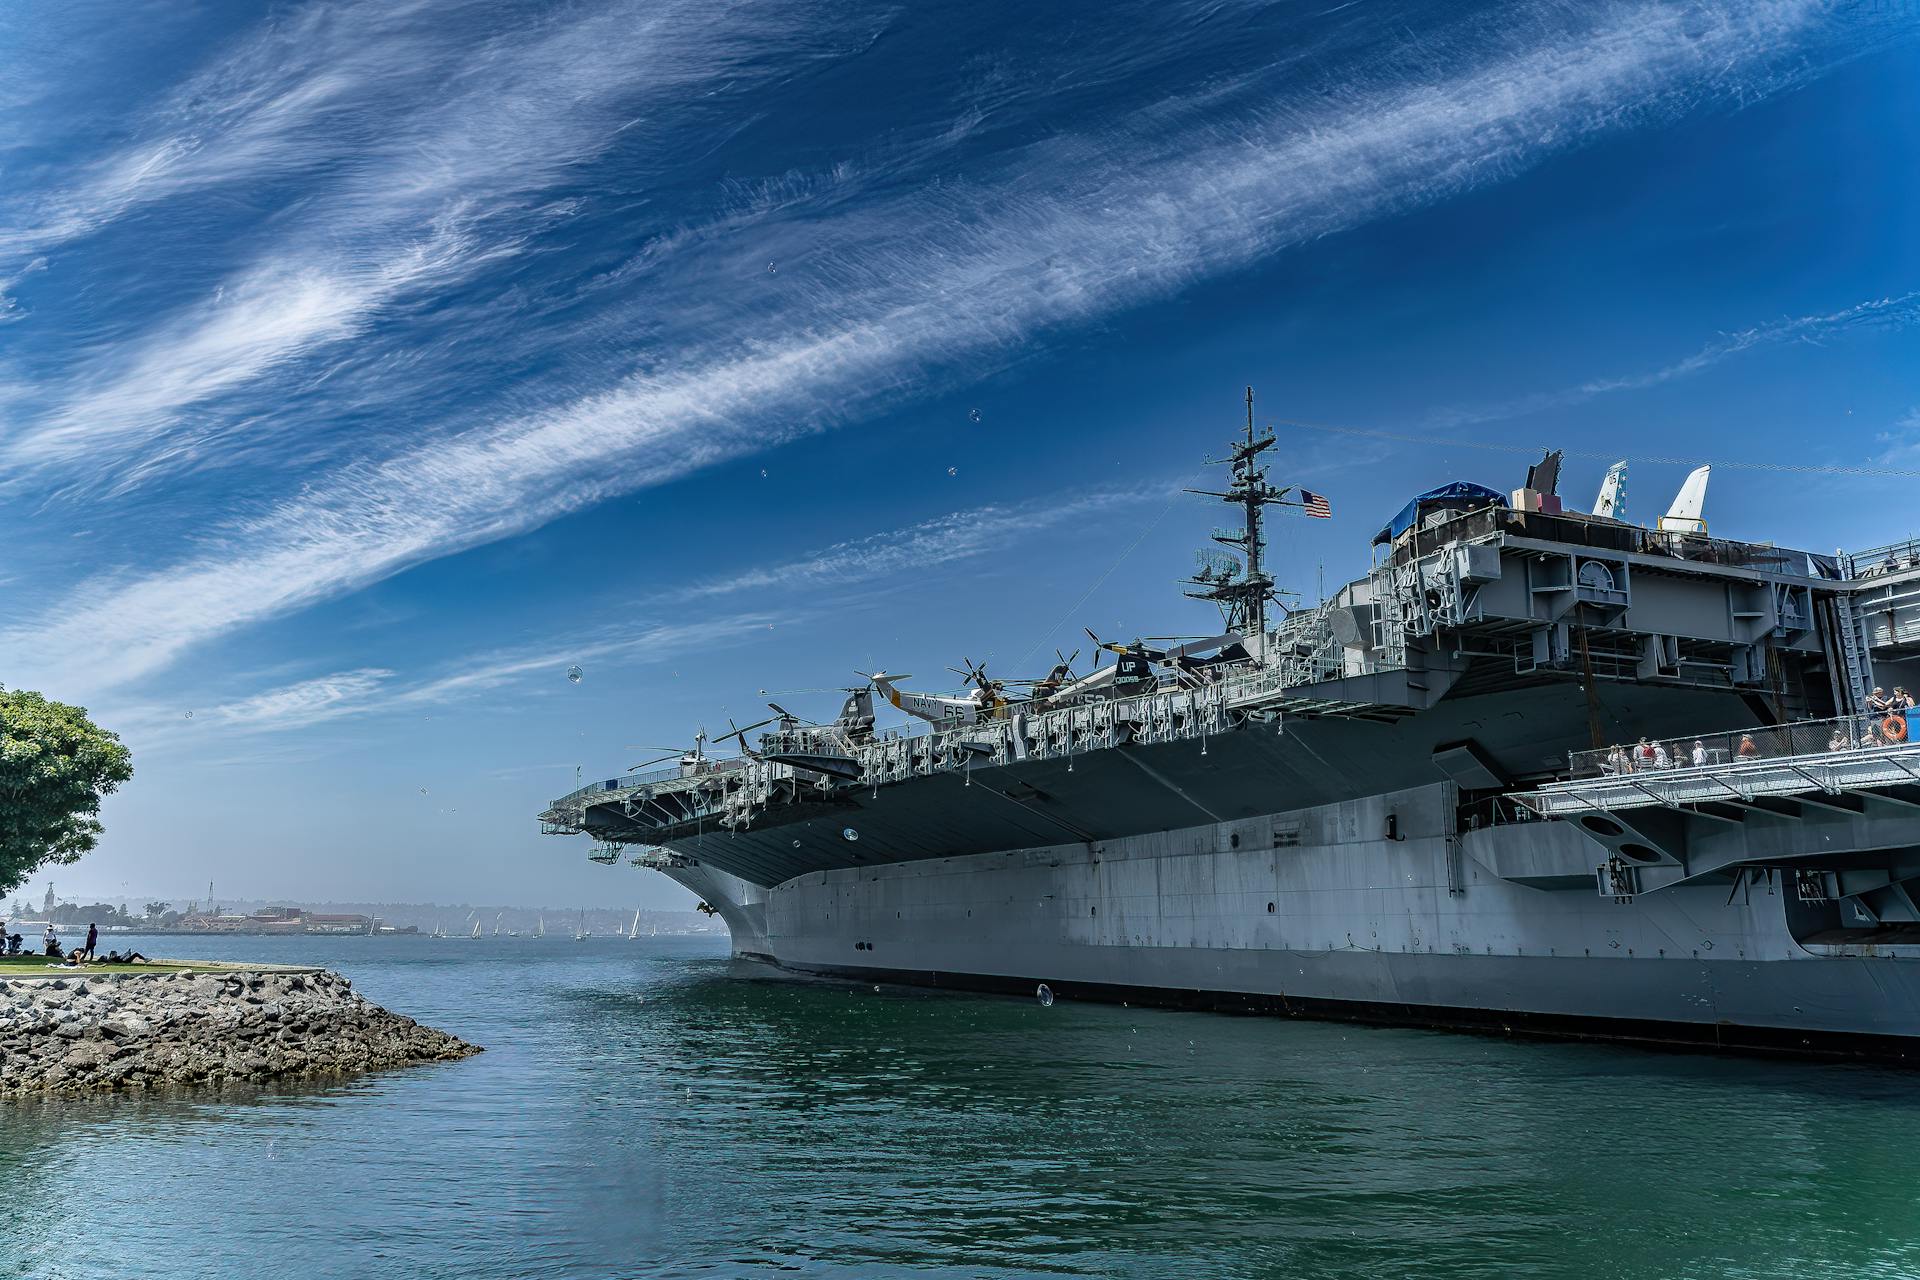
(1269, 908)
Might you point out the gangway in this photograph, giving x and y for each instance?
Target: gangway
(1827, 774)
(1862, 755)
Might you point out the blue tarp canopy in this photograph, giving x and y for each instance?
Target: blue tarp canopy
(1459, 493)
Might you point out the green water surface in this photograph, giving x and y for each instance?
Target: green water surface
(650, 1109)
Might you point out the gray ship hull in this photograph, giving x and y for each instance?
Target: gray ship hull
(1315, 912)
(1398, 805)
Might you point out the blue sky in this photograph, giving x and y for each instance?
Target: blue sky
(365, 365)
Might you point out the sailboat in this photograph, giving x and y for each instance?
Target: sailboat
(580, 931)
(634, 932)
(476, 931)
(439, 931)
(540, 930)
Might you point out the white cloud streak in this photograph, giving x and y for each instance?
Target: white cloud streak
(1888, 314)
(1077, 229)
(940, 541)
(417, 210)
(297, 706)
(927, 545)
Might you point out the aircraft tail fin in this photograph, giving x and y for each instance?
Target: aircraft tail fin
(1686, 515)
(1612, 501)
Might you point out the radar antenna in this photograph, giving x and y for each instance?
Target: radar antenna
(1242, 590)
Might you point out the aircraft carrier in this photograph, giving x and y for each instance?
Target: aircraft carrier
(1539, 771)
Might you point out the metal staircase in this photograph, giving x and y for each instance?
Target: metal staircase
(1855, 657)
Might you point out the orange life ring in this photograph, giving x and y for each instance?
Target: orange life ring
(1894, 728)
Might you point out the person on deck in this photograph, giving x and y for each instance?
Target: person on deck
(1747, 750)
(1900, 701)
(1643, 754)
(1878, 702)
(1699, 754)
(1661, 760)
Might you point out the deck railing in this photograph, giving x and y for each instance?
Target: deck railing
(1761, 742)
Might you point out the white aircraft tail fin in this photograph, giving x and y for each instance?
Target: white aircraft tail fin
(1612, 501)
(1685, 515)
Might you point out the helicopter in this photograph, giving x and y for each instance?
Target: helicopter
(1135, 662)
(802, 744)
(987, 700)
(1059, 676)
(691, 762)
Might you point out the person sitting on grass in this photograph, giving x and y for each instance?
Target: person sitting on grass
(50, 944)
(13, 944)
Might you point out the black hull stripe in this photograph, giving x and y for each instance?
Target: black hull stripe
(1695, 1036)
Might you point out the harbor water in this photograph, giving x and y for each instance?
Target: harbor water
(650, 1108)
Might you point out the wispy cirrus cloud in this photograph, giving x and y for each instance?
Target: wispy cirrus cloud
(942, 540)
(937, 543)
(1066, 230)
(256, 111)
(267, 318)
(1891, 313)
(416, 195)
(380, 691)
(294, 706)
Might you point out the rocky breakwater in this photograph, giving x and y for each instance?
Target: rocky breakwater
(80, 1033)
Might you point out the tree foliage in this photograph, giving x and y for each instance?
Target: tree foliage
(55, 765)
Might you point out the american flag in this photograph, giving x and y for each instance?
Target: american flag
(1316, 505)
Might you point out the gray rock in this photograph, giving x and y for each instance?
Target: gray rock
(138, 1031)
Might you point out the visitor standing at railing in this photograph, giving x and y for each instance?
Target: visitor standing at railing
(1699, 754)
(1902, 701)
(1661, 760)
(1747, 750)
(1877, 702)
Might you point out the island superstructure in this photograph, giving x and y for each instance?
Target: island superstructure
(1425, 800)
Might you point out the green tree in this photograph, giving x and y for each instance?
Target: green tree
(55, 764)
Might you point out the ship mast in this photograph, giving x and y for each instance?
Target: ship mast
(1242, 591)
